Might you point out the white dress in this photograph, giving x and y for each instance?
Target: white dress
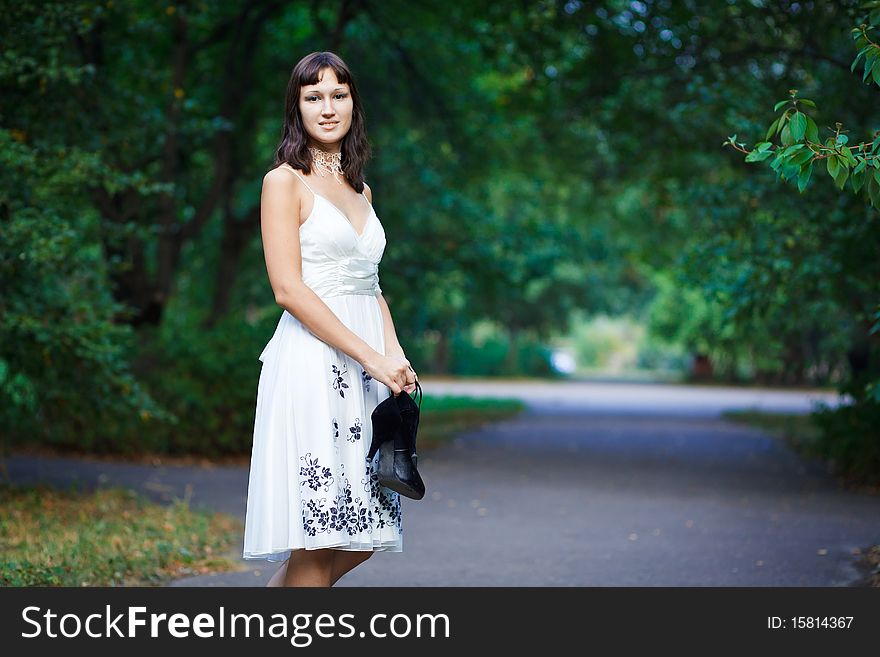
(310, 484)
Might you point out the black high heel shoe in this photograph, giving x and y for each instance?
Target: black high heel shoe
(395, 424)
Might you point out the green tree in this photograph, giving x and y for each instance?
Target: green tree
(800, 148)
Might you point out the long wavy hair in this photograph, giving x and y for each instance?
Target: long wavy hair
(293, 148)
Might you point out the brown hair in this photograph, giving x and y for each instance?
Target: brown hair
(293, 148)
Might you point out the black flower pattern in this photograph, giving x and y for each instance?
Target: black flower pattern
(354, 432)
(345, 513)
(334, 430)
(384, 503)
(330, 506)
(338, 382)
(314, 475)
(315, 517)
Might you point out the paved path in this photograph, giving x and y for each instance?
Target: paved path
(596, 485)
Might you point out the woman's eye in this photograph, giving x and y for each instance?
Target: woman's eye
(337, 96)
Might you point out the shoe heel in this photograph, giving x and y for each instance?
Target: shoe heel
(385, 470)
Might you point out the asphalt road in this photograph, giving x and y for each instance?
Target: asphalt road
(596, 484)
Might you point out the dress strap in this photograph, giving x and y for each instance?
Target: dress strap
(301, 178)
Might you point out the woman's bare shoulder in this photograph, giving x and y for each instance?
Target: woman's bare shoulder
(284, 178)
(281, 187)
(282, 172)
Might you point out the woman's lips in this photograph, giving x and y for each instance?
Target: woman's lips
(329, 126)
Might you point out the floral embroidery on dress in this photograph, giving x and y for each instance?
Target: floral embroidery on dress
(385, 503)
(313, 474)
(338, 382)
(334, 429)
(355, 431)
(366, 378)
(314, 516)
(343, 513)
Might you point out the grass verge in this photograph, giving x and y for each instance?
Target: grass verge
(108, 537)
(441, 418)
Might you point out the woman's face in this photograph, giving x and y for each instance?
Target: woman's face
(326, 110)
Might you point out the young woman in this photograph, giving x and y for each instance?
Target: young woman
(314, 501)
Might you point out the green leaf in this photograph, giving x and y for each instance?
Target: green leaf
(779, 104)
(772, 129)
(861, 165)
(870, 60)
(803, 156)
(785, 137)
(804, 177)
(798, 126)
(873, 192)
(791, 150)
(763, 146)
(840, 178)
(812, 132)
(832, 165)
(807, 102)
(758, 156)
(859, 56)
(858, 179)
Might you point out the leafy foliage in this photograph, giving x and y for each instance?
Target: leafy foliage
(532, 160)
(800, 146)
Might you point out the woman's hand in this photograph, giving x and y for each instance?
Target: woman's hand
(412, 377)
(394, 370)
(397, 352)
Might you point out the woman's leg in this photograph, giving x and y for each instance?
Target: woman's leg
(309, 568)
(343, 562)
(278, 578)
(346, 560)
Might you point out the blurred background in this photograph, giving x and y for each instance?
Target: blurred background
(559, 184)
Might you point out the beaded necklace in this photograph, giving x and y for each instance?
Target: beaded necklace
(327, 162)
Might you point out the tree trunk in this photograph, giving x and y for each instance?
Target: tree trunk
(441, 354)
(511, 360)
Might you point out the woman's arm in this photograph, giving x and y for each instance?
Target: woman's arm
(280, 221)
(392, 344)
